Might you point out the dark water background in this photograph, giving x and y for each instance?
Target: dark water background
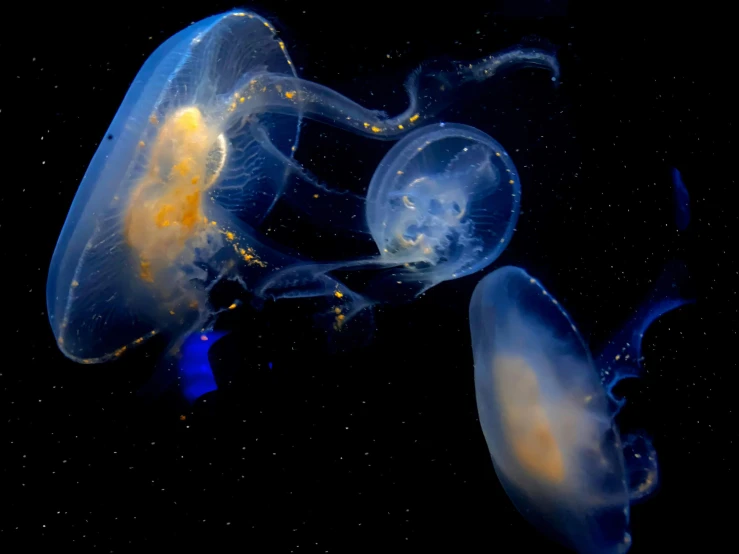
(377, 446)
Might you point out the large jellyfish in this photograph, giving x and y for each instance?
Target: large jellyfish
(547, 411)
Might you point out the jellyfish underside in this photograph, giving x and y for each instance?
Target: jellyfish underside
(548, 419)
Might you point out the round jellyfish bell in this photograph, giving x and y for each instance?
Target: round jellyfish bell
(445, 201)
(442, 204)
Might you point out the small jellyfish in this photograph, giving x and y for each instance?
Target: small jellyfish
(442, 204)
(548, 419)
(682, 201)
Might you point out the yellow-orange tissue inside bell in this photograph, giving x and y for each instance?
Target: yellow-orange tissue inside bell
(525, 420)
(545, 416)
(165, 208)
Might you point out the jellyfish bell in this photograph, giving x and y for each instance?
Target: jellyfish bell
(442, 204)
(140, 223)
(445, 199)
(544, 415)
(547, 414)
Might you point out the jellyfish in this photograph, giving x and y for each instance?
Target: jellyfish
(547, 414)
(442, 204)
(143, 242)
(196, 156)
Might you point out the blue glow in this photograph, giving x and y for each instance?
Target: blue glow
(682, 201)
(195, 372)
(621, 358)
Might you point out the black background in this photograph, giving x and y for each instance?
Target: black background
(375, 444)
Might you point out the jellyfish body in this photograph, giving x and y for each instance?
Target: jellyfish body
(142, 235)
(442, 204)
(548, 420)
(164, 209)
